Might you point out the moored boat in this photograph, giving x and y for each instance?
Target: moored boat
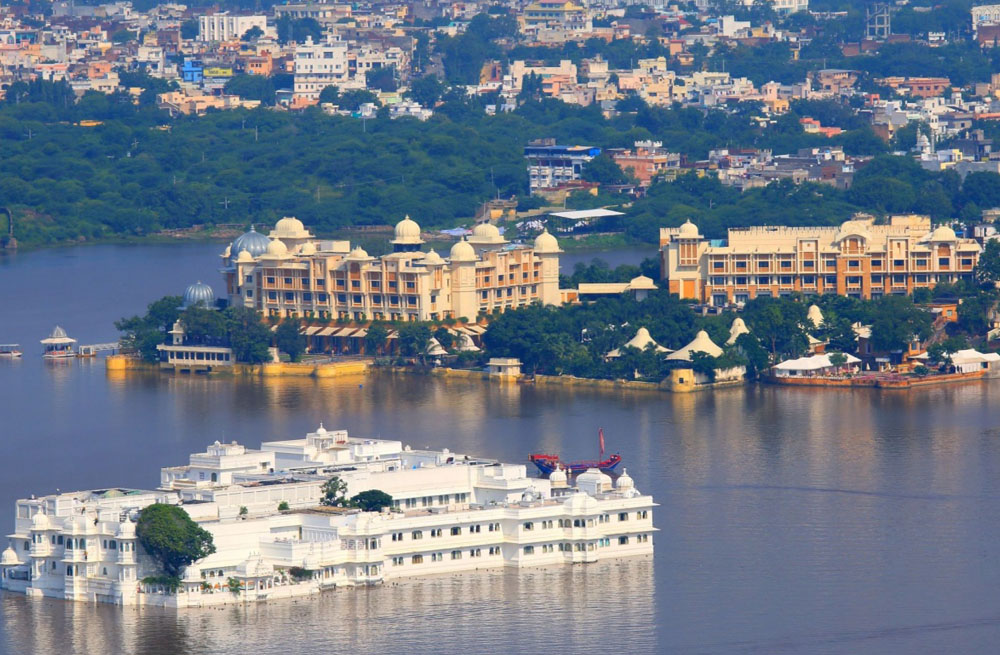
(548, 463)
(10, 350)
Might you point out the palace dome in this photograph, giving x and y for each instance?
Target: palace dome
(308, 248)
(462, 252)
(289, 227)
(943, 233)
(199, 292)
(277, 248)
(253, 242)
(558, 479)
(227, 253)
(407, 232)
(486, 234)
(432, 259)
(546, 243)
(689, 230)
(244, 258)
(40, 522)
(358, 254)
(9, 557)
(624, 481)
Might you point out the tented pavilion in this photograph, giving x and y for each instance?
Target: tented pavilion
(736, 330)
(640, 341)
(810, 366)
(701, 343)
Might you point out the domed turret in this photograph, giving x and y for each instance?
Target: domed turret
(433, 259)
(943, 233)
(406, 236)
(486, 234)
(290, 226)
(462, 252)
(546, 244)
(593, 481)
(40, 522)
(253, 242)
(558, 479)
(277, 248)
(689, 230)
(199, 292)
(228, 252)
(308, 248)
(244, 258)
(9, 557)
(624, 481)
(359, 254)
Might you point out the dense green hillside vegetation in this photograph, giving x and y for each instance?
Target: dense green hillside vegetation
(138, 171)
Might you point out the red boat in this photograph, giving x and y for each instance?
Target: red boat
(547, 463)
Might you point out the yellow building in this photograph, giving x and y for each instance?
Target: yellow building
(859, 258)
(293, 274)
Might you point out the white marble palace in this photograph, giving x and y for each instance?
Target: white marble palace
(451, 512)
(291, 273)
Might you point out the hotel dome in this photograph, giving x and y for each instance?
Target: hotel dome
(9, 557)
(407, 232)
(545, 243)
(486, 234)
(462, 252)
(277, 248)
(290, 227)
(253, 242)
(689, 230)
(199, 292)
(433, 259)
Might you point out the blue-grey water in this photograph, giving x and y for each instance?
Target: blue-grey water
(791, 521)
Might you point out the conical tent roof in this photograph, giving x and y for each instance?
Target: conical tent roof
(735, 330)
(640, 341)
(701, 343)
(815, 316)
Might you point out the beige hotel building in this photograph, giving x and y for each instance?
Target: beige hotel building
(859, 258)
(291, 273)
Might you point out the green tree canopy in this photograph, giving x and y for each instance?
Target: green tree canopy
(372, 500)
(289, 339)
(169, 535)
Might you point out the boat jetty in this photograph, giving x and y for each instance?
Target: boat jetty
(59, 345)
(448, 513)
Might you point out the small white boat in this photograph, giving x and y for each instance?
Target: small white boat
(10, 350)
(58, 345)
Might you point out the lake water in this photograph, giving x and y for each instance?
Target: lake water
(791, 520)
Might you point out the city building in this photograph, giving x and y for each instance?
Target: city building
(859, 258)
(226, 27)
(292, 274)
(551, 165)
(449, 513)
(317, 66)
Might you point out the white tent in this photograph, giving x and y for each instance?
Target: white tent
(969, 360)
(700, 344)
(736, 329)
(464, 343)
(640, 341)
(434, 348)
(815, 316)
(808, 365)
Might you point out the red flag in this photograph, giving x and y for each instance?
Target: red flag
(600, 432)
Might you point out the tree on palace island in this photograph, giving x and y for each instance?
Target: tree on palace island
(334, 493)
(372, 500)
(288, 338)
(169, 535)
(141, 334)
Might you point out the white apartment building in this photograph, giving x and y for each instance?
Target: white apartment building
(451, 513)
(224, 27)
(319, 65)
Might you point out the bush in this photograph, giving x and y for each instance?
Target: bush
(171, 582)
(283, 506)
